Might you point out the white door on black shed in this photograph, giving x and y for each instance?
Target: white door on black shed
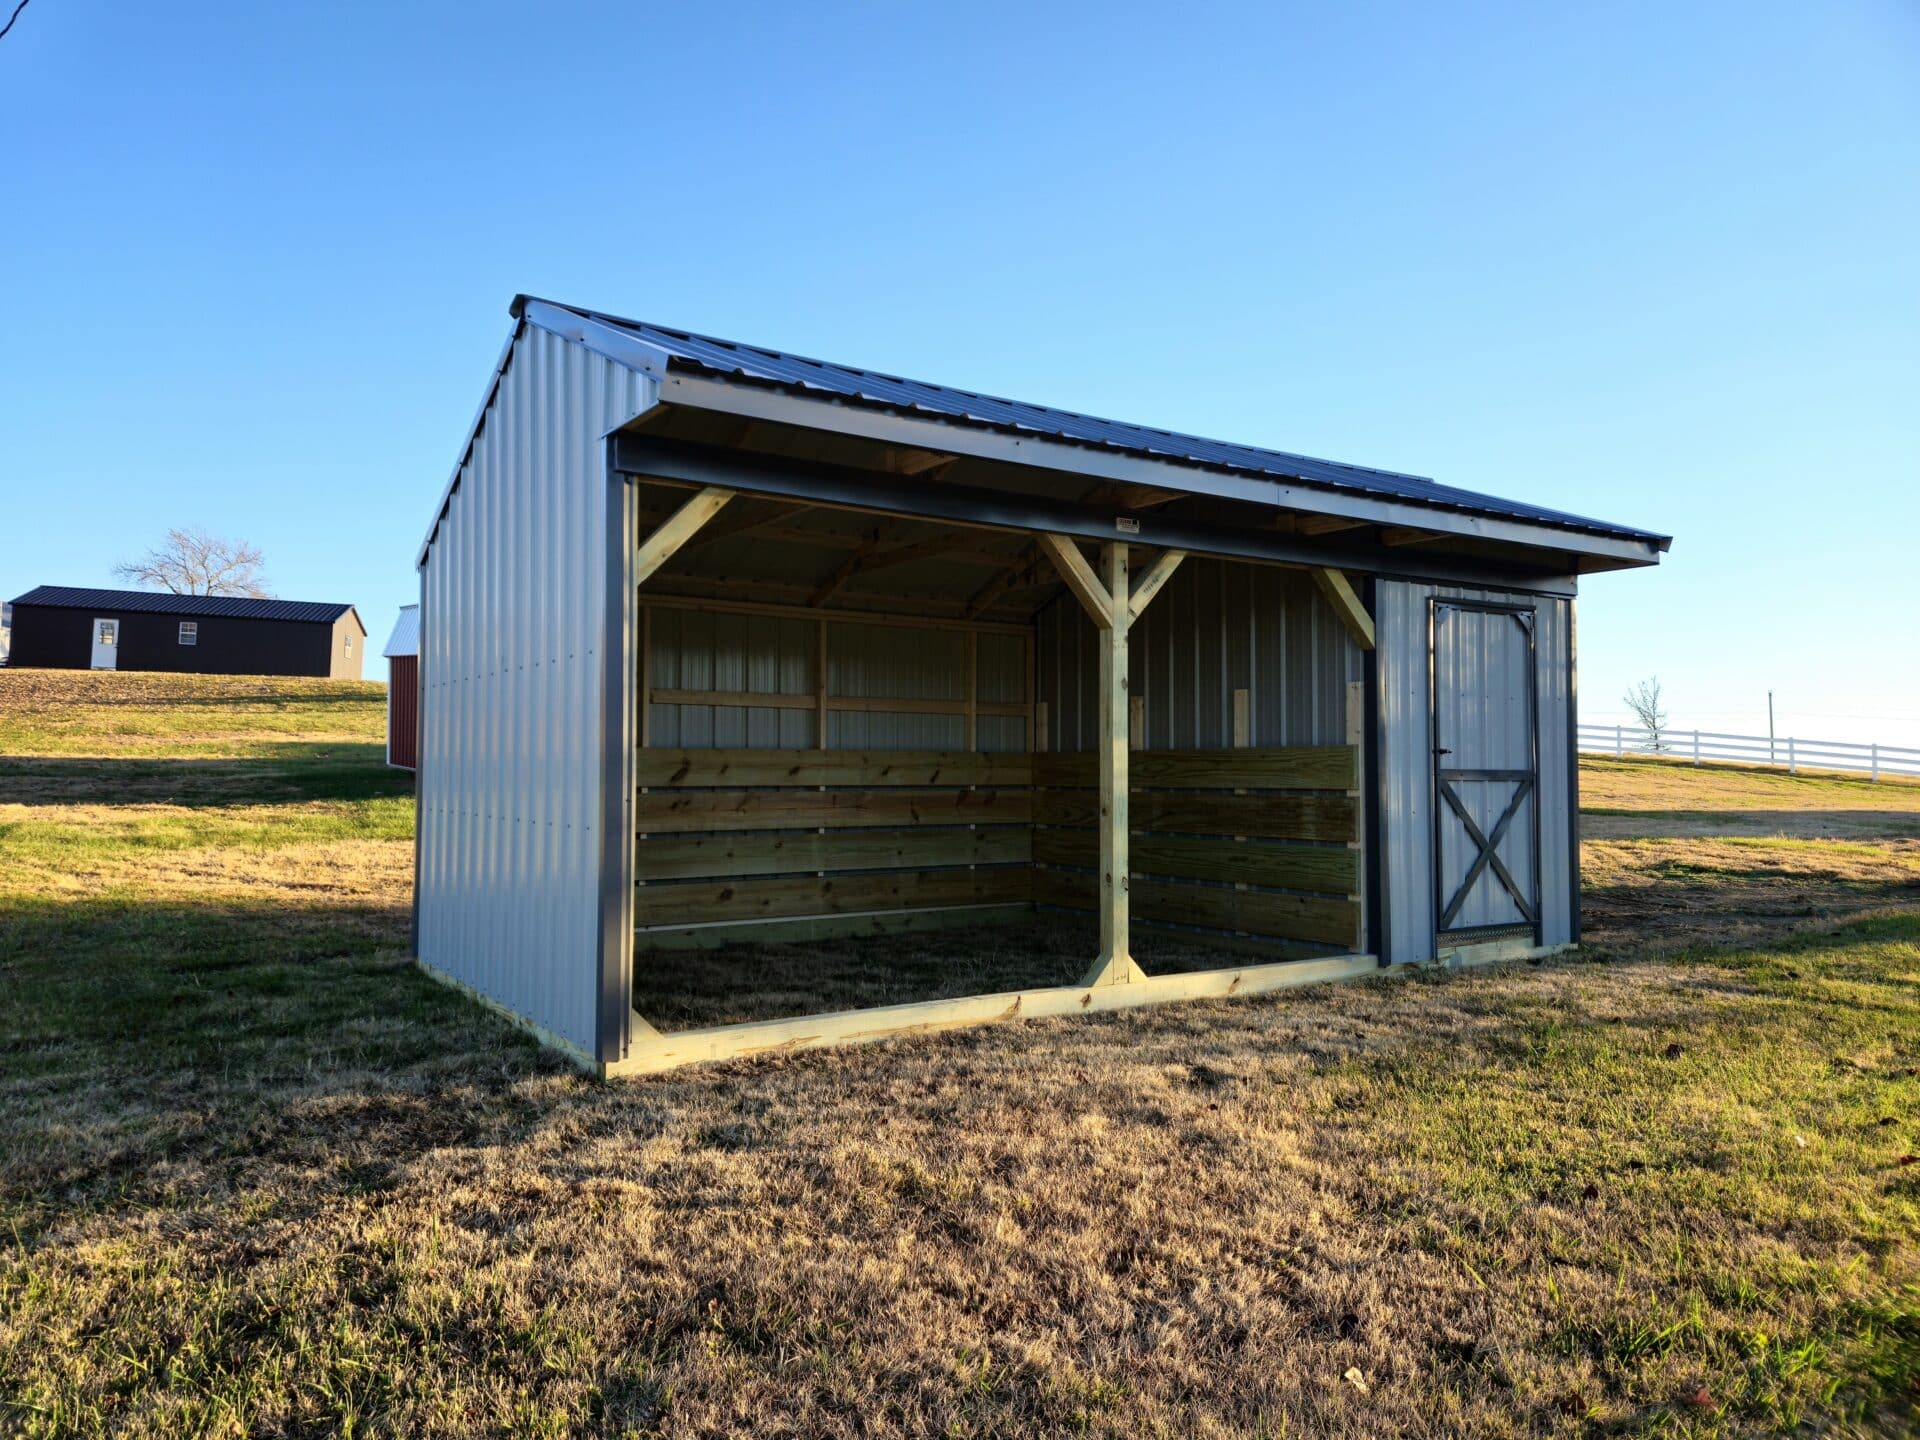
(106, 644)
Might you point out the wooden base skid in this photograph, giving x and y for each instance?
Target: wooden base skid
(856, 1027)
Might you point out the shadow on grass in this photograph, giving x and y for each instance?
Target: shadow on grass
(272, 773)
(140, 1034)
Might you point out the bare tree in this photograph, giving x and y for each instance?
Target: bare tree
(1644, 701)
(192, 562)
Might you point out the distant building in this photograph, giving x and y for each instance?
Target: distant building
(6, 629)
(58, 627)
(403, 690)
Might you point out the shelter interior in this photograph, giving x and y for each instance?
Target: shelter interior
(877, 752)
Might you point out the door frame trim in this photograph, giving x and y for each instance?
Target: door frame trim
(1527, 616)
(93, 642)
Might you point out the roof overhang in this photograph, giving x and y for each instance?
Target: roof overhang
(1570, 550)
(644, 457)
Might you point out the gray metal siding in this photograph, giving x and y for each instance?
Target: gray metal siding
(1406, 774)
(512, 627)
(698, 650)
(1217, 627)
(756, 654)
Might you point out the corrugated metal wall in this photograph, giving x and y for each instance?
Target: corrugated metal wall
(512, 623)
(1217, 627)
(1406, 849)
(763, 654)
(403, 711)
(768, 654)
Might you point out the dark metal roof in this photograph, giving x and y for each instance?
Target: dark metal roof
(689, 351)
(158, 602)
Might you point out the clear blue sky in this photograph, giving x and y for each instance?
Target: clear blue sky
(1655, 263)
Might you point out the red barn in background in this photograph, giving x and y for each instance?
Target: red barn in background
(403, 690)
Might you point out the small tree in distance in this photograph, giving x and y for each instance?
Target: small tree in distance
(1644, 701)
(193, 562)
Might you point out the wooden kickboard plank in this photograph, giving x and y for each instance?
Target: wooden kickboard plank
(703, 900)
(1294, 767)
(1289, 917)
(1288, 866)
(666, 812)
(850, 1027)
(718, 768)
(684, 857)
(1264, 817)
(828, 927)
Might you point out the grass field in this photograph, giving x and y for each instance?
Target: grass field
(258, 1177)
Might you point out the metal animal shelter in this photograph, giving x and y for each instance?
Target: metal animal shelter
(721, 647)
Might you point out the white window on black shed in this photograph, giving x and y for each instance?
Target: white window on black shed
(189, 632)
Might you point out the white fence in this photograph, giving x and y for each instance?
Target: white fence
(1789, 753)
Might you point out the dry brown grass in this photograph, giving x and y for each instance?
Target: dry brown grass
(263, 1179)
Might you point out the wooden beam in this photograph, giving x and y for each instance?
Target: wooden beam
(1147, 584)
(1396, 535)
(1326, 524)
(918, 462)
(1346, 604)
(956, 545)
(664, 543)
(1114, 966)
(745, 520)
(931, 1017)
(850, 567)
(1081, 580)
(1008, 579)
(880, 704)
(893, 617)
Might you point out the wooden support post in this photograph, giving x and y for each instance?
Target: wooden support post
(676, 530)
(1115, 965)
(1346, 604)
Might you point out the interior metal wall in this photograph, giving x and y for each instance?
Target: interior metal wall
(1217, 627)
(1406, 761)
(513, 621)
(764, 654)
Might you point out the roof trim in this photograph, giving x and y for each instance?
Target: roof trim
(204, 607)
(846, 389)
(926, 432)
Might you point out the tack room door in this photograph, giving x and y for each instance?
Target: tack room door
(1486, 772)
(106, 644)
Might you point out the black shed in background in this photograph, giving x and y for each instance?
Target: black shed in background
(59, 627)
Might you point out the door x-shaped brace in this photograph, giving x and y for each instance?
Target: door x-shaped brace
(1489, 846)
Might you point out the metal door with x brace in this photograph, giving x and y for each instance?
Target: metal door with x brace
(1486, 771)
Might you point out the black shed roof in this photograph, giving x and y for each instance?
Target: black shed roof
(152, 602)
